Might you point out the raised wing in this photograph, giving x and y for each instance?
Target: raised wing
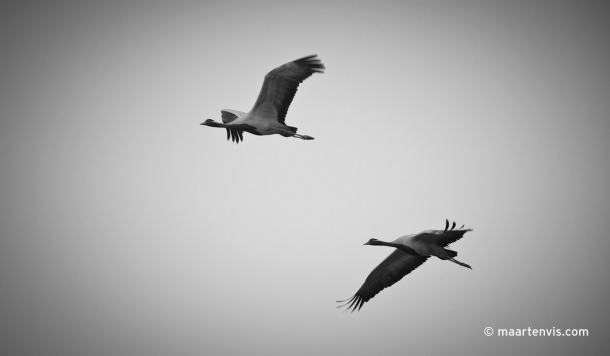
(281, 84)
(449, 236)
(229, 115)
(391, 270)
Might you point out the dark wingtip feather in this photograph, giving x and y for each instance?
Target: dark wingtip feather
(453, 226)
(354, 300)
(446, 224)
(361, 303)
(353, 303)
(313, 62)
(290, 79)
(235, 135)
(347, 301)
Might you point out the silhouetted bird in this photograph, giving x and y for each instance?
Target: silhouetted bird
(411, 252)
(268, 115)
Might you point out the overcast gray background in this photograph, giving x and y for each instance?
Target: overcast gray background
(128, 229)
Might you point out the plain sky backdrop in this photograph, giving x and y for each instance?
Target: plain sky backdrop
(126, 228)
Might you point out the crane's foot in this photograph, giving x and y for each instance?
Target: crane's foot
(460, 263)
(302, 137)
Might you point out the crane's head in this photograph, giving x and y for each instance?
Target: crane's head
(372, 242)
(210, 122)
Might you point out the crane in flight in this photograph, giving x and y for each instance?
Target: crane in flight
(411, 252)
(268, 115)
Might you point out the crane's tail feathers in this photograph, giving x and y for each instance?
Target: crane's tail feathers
(460, 263)
(289, 132)
(451, 253)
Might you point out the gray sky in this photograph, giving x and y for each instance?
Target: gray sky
(126, 228)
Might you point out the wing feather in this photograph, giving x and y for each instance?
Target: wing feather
(235, 135)
(391, 270)
(448, 237)
(281, 84)
(229, 115)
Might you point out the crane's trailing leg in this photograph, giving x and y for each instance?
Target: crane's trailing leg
(459, 263)
(287, 133)
(303, 137)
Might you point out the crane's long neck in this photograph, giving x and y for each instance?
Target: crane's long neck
(213, 123)
(403, 248)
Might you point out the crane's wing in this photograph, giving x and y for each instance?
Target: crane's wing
(391, 270)
(235, 134)
(281, 84)
(229, 115)
(449, 236)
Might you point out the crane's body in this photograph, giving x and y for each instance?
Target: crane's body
(425, 243)
(267, 117)
(411, 252)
